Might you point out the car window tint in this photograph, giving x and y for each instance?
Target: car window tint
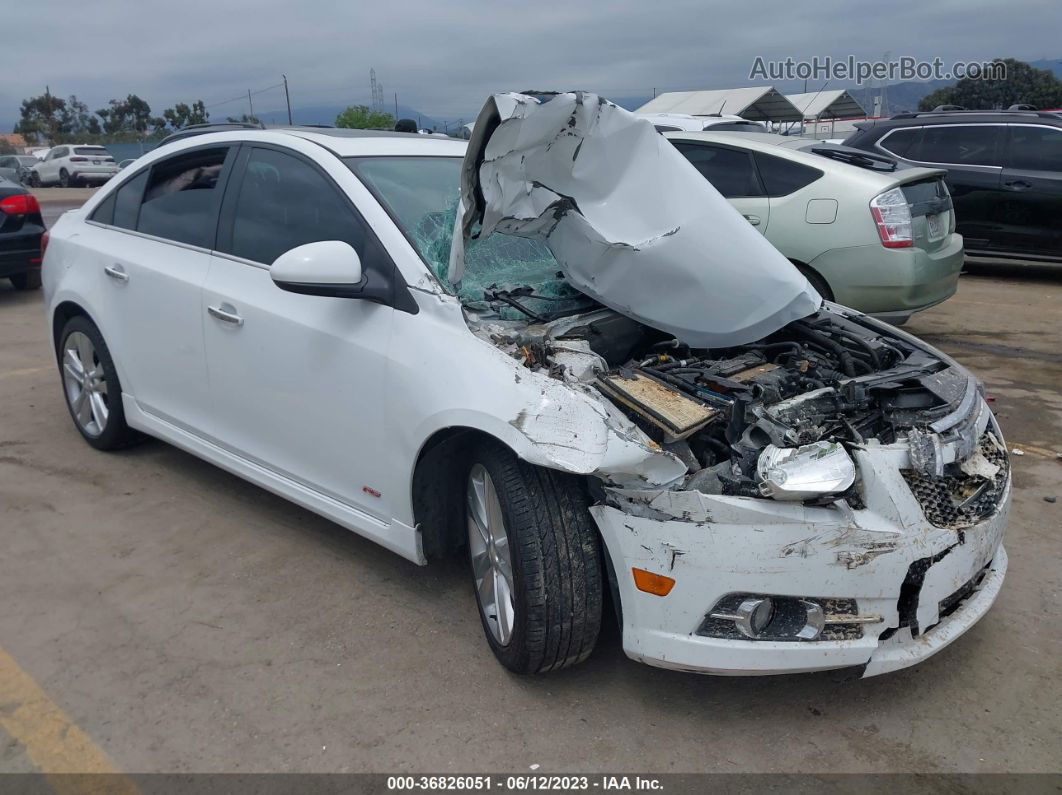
(94, 151)
(285, 202)
(182, 197)
(1034, 148)
(104, 214)
(730, 171)
(127, 201)
(735, 126)
(971, 145)
(900, 142)
(782, 177)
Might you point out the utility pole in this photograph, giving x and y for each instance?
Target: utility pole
(249, 103)
(396, 106)
(287, 98)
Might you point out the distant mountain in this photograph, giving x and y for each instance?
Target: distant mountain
(326, 114)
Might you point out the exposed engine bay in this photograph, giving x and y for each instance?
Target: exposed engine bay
(758, 419)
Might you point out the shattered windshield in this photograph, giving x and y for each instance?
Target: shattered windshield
(513, 276)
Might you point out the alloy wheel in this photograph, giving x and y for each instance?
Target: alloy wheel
(492, 567)
(85, 383)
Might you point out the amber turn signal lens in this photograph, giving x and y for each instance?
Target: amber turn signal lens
(652, 583)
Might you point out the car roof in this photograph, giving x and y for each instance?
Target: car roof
(930, 117)
(341, 142)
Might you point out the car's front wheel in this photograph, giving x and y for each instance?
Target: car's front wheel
(64, 179)
(536, 562)
(91, 387)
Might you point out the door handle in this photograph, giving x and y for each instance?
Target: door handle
(753, 219)
(116, 272)
(1018, 184)
(226, 313)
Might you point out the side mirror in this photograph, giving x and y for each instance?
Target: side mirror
(328, 267)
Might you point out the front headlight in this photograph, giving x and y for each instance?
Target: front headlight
(805, 472)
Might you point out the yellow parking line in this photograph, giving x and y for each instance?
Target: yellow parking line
(52, 741)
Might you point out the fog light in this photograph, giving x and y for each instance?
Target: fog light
(752, 616)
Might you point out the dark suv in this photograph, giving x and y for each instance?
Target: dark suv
(1004, 173)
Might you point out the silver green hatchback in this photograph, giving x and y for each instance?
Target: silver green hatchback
(868, 234)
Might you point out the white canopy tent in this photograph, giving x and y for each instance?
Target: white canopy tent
(836, 104)
(759, 103)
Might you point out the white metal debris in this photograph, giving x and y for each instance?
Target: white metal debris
(631, 223)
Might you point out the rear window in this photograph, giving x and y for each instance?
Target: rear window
(782, 177)
(735, 126)
(92, 151)
(181, 199)
(929, 196)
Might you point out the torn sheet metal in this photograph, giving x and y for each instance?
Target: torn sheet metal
(631, 223)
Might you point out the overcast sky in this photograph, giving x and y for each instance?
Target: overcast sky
(444, 57)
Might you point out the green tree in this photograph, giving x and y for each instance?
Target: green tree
(359, 117)
(131, 114)
(181, 115)
(6, 147)
(40, 118)
(75, 119)
(1023, 84)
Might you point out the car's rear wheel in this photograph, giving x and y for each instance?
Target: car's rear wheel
(536, 562)
(30, 280)
(91, 387)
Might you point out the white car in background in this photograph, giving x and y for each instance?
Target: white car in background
(725, 122)
(596, 380)
(867, 233)
(72, 165)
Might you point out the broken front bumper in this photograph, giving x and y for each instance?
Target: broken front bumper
(927, 584)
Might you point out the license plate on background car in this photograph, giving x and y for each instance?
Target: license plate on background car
(95, 162)
(935, 227)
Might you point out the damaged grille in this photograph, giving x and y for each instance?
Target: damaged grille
(962, 499)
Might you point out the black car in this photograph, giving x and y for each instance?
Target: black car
(1004, 173)
(21, 227)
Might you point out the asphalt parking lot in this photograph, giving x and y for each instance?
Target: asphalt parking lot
(184, 620)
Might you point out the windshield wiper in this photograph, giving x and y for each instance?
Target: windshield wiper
(506, 298)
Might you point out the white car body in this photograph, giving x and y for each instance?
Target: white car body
(75, 164)
(333, 403)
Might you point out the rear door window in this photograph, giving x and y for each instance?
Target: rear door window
(182, 197)
(960, 144)
(730, 171)
(1034, 148)
(782, 177)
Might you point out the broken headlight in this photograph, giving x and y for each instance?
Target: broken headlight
(806, 472)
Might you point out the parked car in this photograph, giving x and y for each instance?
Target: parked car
(593, 379)
(677, 122)
(16, 168)
(1004, 173)
(868, 235)
(21, 227)
(70, 166)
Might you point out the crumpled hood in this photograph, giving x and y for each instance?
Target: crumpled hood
(630, 221)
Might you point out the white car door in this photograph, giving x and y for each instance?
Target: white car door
(48, 170)
(298, 382)
(730, 170)
(152, 267)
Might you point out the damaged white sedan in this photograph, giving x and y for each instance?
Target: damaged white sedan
(582, 365)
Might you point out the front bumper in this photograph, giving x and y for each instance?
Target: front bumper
(928, 584)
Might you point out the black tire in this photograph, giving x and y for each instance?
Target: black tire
(29, 280)
(34, 179)
(64, 179)
(556, 563)
(817, 282)
(116, 433)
